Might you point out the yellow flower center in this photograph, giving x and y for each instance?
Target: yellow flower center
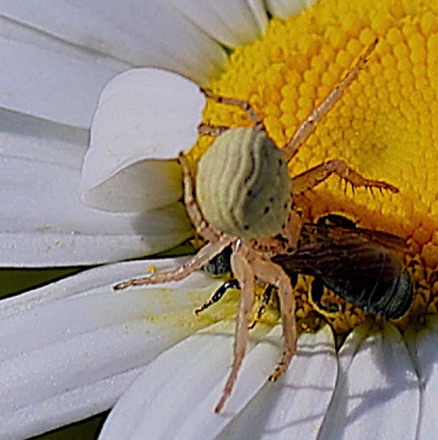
(385, 126)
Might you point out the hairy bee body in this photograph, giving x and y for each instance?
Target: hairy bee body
(390, 299)
(363, 266)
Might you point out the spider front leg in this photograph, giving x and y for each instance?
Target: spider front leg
(244, 105)
(309, 125)
(203, 256)
(192, 207)
(248, 264)
(243, 272)
(310, 178)
(274, 275)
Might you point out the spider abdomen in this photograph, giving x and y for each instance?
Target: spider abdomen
(243, 186)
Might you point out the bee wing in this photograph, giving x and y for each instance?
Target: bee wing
(344, 254)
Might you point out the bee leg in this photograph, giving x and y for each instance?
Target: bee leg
(316, 293)
(217, 296)
(267, 295)
(336, 220)
(310, 178)
(243, 272)
(244, 105)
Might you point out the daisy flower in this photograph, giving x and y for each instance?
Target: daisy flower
(90, 176)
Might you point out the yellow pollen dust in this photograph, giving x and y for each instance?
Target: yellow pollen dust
(385, 126)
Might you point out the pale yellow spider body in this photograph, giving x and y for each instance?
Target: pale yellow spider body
(243, 198)
(248, 194)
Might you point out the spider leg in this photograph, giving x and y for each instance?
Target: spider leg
(309, 125)
(310, 178)
(292, 231)
(192, 207)
(273, 274)
(211, 130)
(243, 272)
(244, 105)
(195, 263)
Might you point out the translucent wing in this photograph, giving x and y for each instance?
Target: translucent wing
(363, 266)
(343, 253)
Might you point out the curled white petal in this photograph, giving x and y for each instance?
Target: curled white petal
(69, 350)
(377, 390)
(286, 8)
(232, 23)
(44, 222)
(144, 119)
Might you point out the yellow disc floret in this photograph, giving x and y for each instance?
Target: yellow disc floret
(385, 126)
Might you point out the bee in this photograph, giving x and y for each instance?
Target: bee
(364, 267)
(242, 195)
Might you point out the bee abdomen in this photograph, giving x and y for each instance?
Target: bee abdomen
(392, 299)
(389, 299)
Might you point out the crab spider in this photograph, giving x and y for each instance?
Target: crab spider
(242, 196)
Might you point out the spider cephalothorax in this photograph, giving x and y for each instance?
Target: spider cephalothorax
(243, 198)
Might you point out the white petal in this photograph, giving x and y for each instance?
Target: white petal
(50, 81)
(143, 115)
(295, 407)
(285, 8)
(377, 394)
(31, 138)
(69, 350)
(176, 394)
(175, 399)
(233, 23)
(424, 348)
(43, 222)
(137, 32)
